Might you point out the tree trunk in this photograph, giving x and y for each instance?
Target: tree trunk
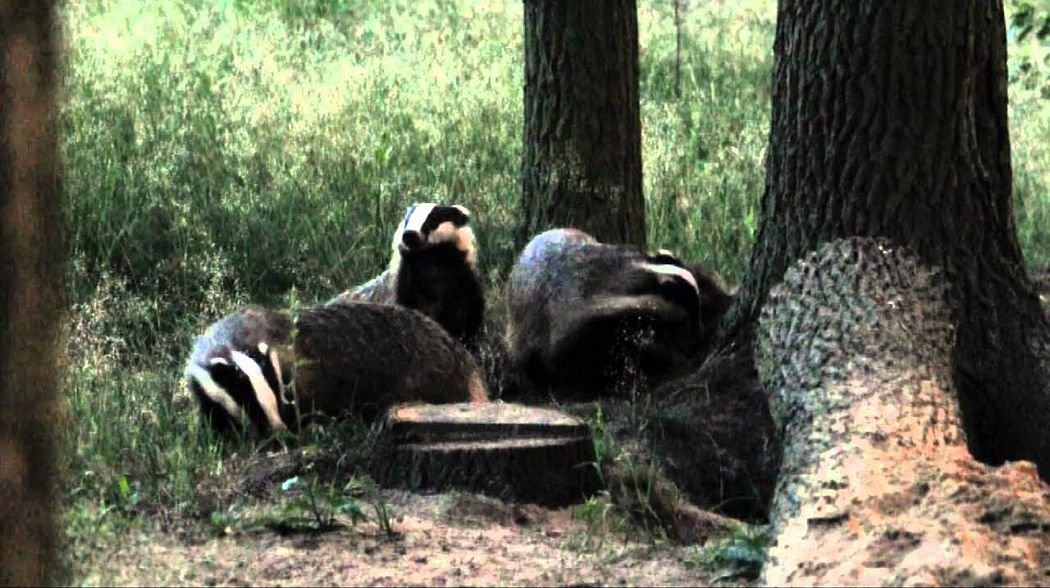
(889, 119)
(876, 486)
(583, 155)
(29, 292)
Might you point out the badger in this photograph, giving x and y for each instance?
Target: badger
(235, 372)
(265, 369)
(582, 314)
(433, 269)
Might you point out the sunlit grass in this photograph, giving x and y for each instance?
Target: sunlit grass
(703, 149)
(1029, 71)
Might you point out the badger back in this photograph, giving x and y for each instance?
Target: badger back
(564, 276)
(379, 289)
(536, 287)
(576, 304)
(363, 357)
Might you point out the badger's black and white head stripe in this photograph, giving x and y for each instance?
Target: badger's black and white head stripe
(262, 387)
(206, 387)
(677, 285)
(232, 385)
(427, 224)
(671, 272)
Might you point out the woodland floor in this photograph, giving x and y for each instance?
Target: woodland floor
(440, 540)
(446, 539)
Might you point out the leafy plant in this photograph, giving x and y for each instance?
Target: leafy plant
(602, 518)
(1029, 36)
(126, 498)
(740, 555)
(1029, 19)
(603, 443)
(628, 492)
(365, 487)
(634, 492)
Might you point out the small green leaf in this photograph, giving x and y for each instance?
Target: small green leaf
(290, 483)
(124, 487)
(352, 509)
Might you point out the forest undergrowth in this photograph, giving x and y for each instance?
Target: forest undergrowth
(224, 152)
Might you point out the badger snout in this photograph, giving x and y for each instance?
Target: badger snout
(412, 239)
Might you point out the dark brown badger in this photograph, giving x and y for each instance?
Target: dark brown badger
(357, 357)
(584, 314)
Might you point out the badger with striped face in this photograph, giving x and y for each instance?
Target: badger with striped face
(433, 269)
(582, 314)
(236, 373)
(353, 358)
(714, 300)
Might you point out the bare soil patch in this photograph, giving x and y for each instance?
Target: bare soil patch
(440, 540)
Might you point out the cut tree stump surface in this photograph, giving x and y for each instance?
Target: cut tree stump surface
(510, 451)
(474, 421)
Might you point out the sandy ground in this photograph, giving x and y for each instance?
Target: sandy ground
(441, 540)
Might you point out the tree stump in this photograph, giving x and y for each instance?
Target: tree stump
(509, 451)
(876, 484)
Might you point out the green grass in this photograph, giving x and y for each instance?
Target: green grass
(739, 556)
(1029, 71)
(219, 152)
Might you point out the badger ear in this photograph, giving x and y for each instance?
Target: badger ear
(664, 256)
(263, 347)
(466, 213)
(218, 361)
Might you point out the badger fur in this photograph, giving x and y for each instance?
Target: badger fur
(355, 357)
(433, 269)
(582, 313)
(365, 357)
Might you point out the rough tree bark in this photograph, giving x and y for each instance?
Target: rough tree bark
(583, 156)
(889, 119)
(510, 451)
(29, 293)
(876, 485)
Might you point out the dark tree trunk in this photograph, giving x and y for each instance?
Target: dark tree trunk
(583, 155)
(889, 119)
(29, 292)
